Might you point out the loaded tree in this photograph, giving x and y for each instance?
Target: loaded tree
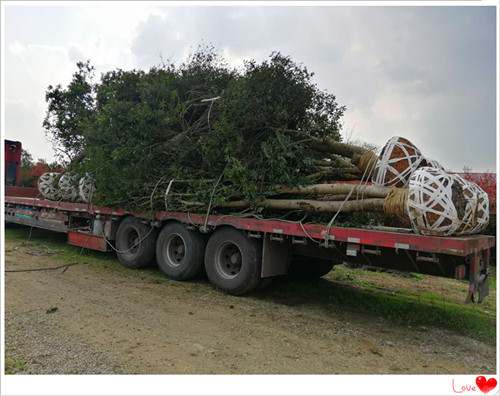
(219, 133)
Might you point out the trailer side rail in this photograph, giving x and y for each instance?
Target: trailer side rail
(456, 246)
(95, 227)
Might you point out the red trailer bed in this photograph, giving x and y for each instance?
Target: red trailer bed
(95, 227)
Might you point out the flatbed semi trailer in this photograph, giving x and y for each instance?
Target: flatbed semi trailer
(240, 253)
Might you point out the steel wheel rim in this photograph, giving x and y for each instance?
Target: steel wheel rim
(228, 260)
(174, 249)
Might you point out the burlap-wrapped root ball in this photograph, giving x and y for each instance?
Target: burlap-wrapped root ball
(86, 188)
(441, 204)
(427, 162)
(472, 204)
(48, 185)
(398, 159)
(68, 187)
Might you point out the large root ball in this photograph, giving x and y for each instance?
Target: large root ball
(86, 188)
(48, 185)
(397, 161)
(442, 204)
(427, 162)
(68, 187)
(473, 207)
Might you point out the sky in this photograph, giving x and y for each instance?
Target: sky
(425, 73)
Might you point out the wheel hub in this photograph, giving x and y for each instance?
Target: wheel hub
(235, 258)
(228, 261)
(175, 249)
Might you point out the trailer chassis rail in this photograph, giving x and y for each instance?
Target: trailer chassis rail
(94, 227)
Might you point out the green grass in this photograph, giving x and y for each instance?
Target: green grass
(493, 280)
(359, 291)
(52, 243)
(414, 300)
(14, 365)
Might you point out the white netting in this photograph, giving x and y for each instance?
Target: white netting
(86, 188)
(398, 159)
(443, 204)
(68, 187)
(48, 185)
(475, 213)
(482, 211)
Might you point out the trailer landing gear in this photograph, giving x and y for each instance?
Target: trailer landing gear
(478, 277)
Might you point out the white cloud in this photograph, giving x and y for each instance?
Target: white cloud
(427, 73)
(17, 49)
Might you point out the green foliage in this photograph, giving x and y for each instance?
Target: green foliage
(27, 163)
(26, 159)
(137, 130)
(70, 112)
(14, 365)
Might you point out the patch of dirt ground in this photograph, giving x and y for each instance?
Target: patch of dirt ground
(97, 319)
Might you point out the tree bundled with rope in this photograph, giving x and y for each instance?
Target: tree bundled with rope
(192, 123)
(203, 136)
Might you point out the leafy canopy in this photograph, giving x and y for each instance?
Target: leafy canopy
(217, 131)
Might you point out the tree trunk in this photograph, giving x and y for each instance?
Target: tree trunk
(332, 147)
(371, 205)
(337, 188)
(335, 161)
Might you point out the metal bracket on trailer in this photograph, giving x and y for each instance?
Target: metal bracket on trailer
(478, 277)
(299, 241)
(374, 252)
(352, 249)
(275, 256)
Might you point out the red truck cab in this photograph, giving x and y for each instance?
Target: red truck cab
(12, 153)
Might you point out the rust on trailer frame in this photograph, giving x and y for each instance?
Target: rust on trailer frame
(89, 241)
(455, 246)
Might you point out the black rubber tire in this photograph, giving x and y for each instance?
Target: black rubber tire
(191, 263)
(248, 277)
(144, 254)
(302, 267)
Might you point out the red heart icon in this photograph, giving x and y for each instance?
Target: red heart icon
(486, 385)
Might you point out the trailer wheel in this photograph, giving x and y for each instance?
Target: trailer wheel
(233, 261)
(302, 267)
(135, 243)
(179, 252)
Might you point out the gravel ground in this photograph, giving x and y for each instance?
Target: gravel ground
(35, 340)
(113, 320)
